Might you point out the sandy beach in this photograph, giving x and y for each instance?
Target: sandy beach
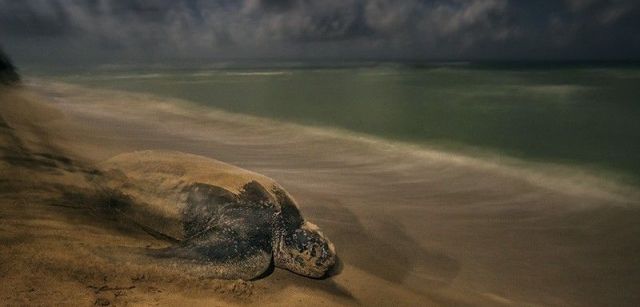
(413, 226)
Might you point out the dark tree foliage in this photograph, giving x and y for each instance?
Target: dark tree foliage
(8, 74)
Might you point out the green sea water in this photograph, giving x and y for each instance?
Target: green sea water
(585, 115)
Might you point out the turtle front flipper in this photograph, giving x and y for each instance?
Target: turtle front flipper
(222, 255)
(234, 242)
(238, 246)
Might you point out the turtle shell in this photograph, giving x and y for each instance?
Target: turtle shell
(216, 212)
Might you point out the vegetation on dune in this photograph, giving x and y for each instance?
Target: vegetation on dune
(8, 74)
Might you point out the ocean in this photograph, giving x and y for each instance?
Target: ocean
(584, 115)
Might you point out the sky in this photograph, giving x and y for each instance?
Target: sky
(60, 31)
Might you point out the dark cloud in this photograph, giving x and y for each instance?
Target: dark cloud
(278, 5)
(457, 29)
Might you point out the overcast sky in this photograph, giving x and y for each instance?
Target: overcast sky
(157, 30)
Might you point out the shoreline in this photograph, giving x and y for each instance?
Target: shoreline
(596, 182)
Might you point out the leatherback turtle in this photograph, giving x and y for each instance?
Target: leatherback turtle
(236, 221)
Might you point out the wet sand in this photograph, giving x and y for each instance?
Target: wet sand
(413, 226)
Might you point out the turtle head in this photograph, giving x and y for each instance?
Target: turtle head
(299, 246)
(306, 251)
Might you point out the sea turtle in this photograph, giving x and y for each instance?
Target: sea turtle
(236, 221)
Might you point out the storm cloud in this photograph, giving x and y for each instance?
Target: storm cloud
(42, 30)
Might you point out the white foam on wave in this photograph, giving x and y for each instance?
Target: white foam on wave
(258, 73)
(556, 177)
(105, 77)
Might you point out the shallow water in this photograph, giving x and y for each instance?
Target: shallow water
(583, 114)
